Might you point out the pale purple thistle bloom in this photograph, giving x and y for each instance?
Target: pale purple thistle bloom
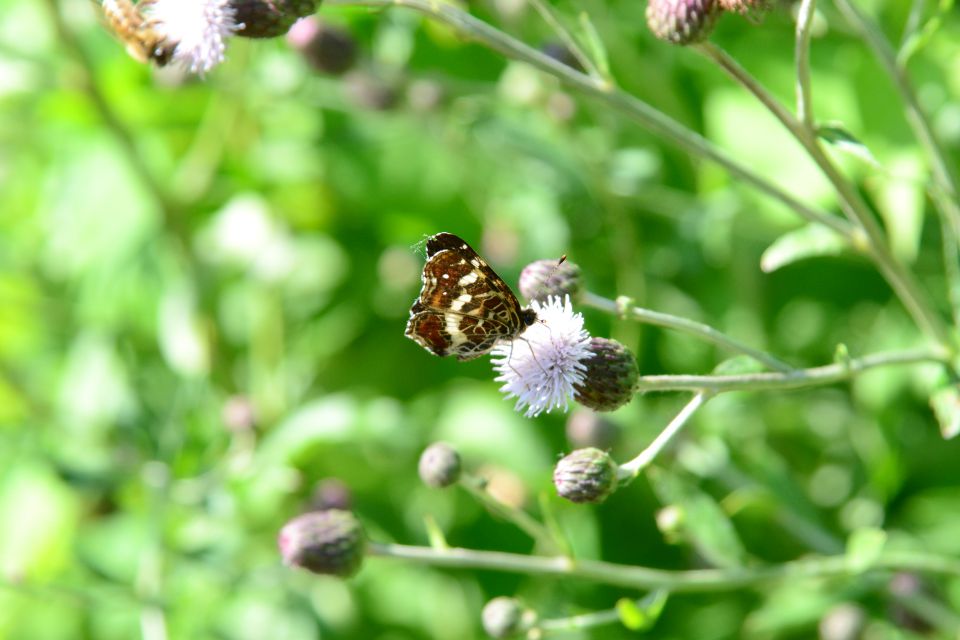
(541, 368)
(198, 28)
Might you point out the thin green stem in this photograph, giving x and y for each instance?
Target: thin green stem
(795, 379)
(632, 469)
(945, 177)
(569, 41)
(523, 520)
(697, 580)
(641, 112)
(856, 209)
(684, 325)
(802, 54)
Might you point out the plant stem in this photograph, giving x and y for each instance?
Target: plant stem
(569, 41)
(632, 469)
(690, 327)
(802, 55)
(523, 520)
(945, 177)
(653, 120)
(795, 379)
(856, 209)
(697, 580)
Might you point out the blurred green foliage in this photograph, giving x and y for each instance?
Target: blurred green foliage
(182, 361)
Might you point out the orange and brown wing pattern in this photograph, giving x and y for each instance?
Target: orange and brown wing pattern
(464, 307)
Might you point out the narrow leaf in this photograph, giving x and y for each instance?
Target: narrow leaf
(806, 242)
(839, 138)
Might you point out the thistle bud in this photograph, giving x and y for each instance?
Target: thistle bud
(326, 48)
(587, 429)
(331, 493)
(439, 465)
(682, 21)
(269, 18)
(544, 278)
(504, 617)
(586, 475)
(326, 542)
(610, 378)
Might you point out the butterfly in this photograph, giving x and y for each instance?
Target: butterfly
(138, 32)
(464, 308)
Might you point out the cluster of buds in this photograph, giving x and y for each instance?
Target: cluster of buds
(686, 22)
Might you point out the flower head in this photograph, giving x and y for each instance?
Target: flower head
(197, 29)
(328, 542)
(541, 368)
(586, 475)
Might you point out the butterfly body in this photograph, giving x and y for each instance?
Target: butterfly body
(464, 308)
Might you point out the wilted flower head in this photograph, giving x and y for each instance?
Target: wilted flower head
(197, 29)
(541, 368)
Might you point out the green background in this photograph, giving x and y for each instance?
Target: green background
(275, 258)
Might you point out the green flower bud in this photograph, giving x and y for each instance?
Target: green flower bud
(610, 378)
(328, 542)
(544, 278)
(326, 48)
(504, 617)
(587, 429)
(586, 475)
(269, 18)
(682, 21)
(439, 465)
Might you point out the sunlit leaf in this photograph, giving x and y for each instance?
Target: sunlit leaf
(841, 138)
(806, 242)
(705, 525)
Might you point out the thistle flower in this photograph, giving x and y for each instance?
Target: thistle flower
(439, 465)
(543, 366)
(196, 29)
(328, 542)
(586, 475)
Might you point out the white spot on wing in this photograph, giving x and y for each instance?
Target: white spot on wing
(468, 279)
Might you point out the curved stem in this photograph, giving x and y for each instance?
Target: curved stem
(802, 55)
(871, 239)
(698, 580)
(653, 120)
(523, 520)
(947, 184)
(684, 325)
(632, 469)
(795, 379)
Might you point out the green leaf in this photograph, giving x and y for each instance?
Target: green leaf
(900, 197)
(640, 615)
(805, 242)
(598, 51)
(946, 407)
(438, 541)
(842, 140)
(864, 548)
(738, 365)
(705, 525)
